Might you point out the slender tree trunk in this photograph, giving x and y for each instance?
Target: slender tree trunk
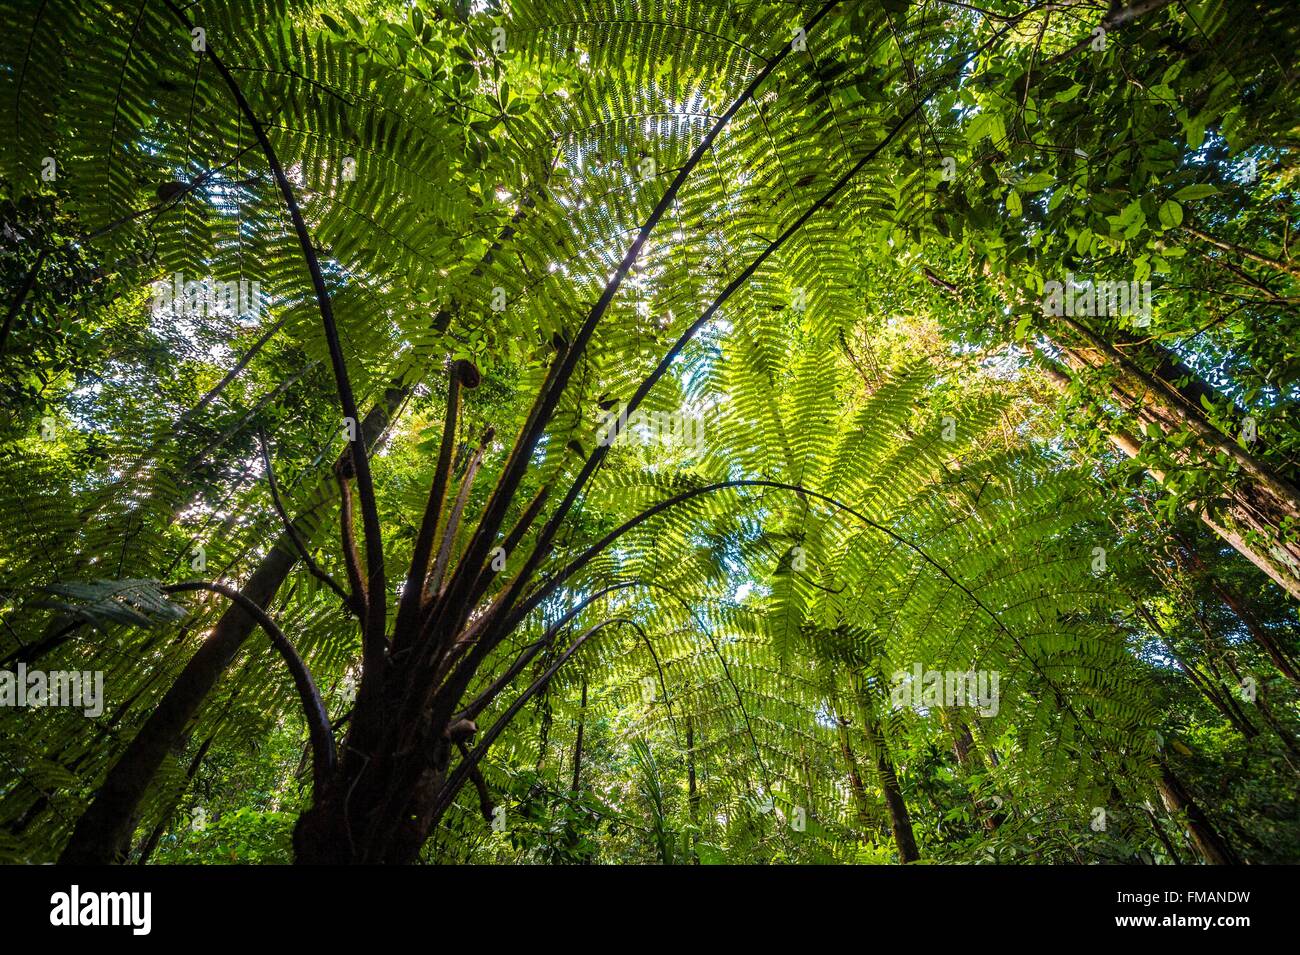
(900, 821)
(1213, 646)
(1281, 659)
(964, 748)
(577, 744)
(544, 737)
(1211, 845)
(1285, 735)
(151, 843)
(1262, 707)
(855, 778)
(1163, 837)
(692, 793)
(963, 743)
(1212, 692)
(1262, 501)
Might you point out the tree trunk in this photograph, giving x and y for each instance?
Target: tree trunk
(855, 779)
(1214, 849)
(577, 744)
(380, 806)
(899, 820)
(1249, 508)
(1263, 500)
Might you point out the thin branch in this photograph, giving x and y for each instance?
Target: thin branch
(466, 766)
(1245, 253)
(663, 680)
(434, 585)
(477, 705)
(484, 796)
(28, 284)
(348, 535)
(511, 543)
(413, 591)
(291, 529)
(318, 723)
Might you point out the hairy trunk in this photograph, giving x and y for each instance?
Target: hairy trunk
(352, 820)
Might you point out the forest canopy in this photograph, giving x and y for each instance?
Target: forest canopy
(679, 431)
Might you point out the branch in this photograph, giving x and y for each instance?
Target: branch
(484, 796)
(289, 528)
(478, 704)
(434, 585)
(413, 591)
(511, 542)
(663, 681)
(28, 283)
(318, 722)
(1245, 253)
(534, 412)
(466, 766)
(1117, 18)
(486, 696)
(350, 558)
